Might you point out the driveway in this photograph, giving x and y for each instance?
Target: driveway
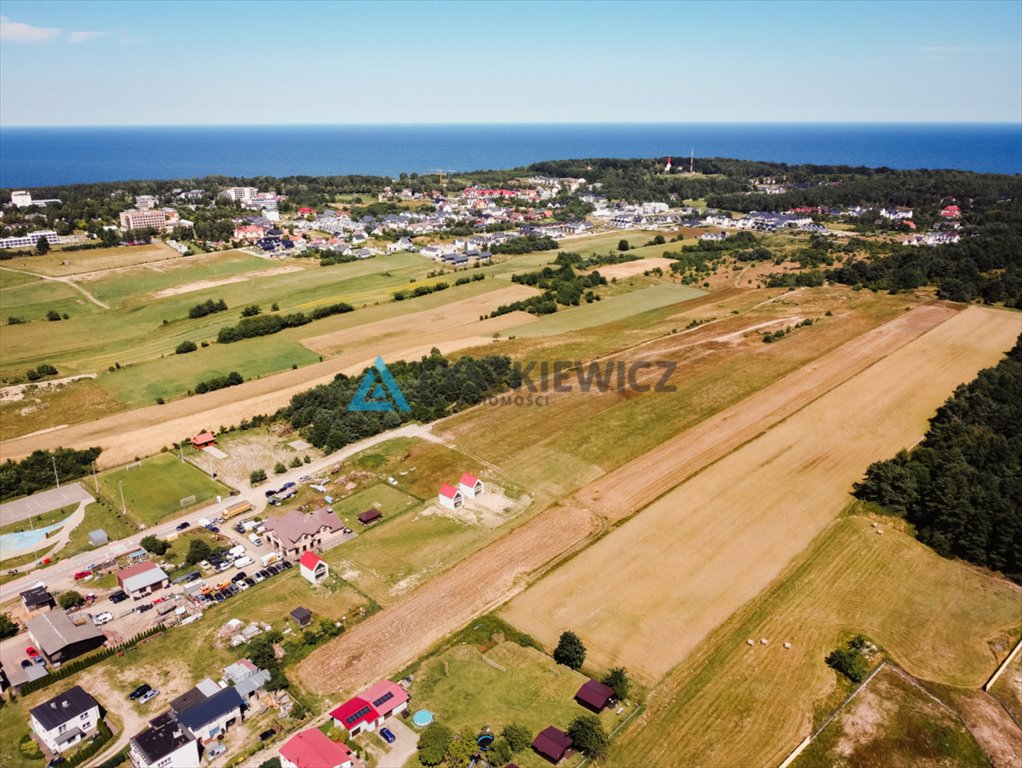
(401, 750)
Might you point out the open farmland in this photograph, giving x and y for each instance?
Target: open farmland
(62, 263)
(490, 576)
(730, 703)
(690, 559)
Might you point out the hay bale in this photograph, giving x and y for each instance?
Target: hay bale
(749, 642)
(764, 641)
(787, 645)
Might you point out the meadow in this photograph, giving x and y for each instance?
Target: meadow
(729, 702)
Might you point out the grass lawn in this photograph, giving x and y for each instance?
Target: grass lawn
(462, 690)
(731, 703)
(893, 723)
(153, 490)
(13, 728)
(387, 499)
(116, 525)
(92, 260)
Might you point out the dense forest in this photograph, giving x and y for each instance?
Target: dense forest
(962, 486)
(42, 468)
(433, 387)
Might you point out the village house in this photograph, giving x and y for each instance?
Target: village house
(595, 695)
(470, 486)
(164, 744)
(313, 749)
(211, 717)
(371, 708)
(552, 743)
(142, 579)
(450, 497)
(65, 720)
(36, 600)
(295, 533)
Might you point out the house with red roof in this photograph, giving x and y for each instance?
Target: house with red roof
(313, 749)
(307, 211)
(552, 743)
(313, 567)
(203, 439)
(450, 497)
(951, 212)
(470, 486)
(248, 232)
(371, 708)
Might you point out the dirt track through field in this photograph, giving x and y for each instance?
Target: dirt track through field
(400, 633)
(144, 431)
(694, 556)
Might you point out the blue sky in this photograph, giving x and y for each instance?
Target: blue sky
(165, 63)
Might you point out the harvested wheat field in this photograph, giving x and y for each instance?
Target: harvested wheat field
(632, 268)
(400, 633)
(683, 565)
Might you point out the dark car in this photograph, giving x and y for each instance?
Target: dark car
(212, 529)
(218, 597)
(58, 760)
(250, 582)
(143, 608)
(182, 526)
(387, 735)
(142, 690)
(118, 597)
(193, 576)
(265, 735)
(287, 564)
(26, 663)
(239, 576)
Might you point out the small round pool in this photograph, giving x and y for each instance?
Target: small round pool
(422, 718)
(484, 741)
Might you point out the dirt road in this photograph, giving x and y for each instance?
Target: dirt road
(400, 633)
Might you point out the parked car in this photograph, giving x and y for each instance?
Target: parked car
(270, 493)
(102, 618)
(388, 735)
(58, 760)
(287, 564)
(148, 696)
(193, 576)
(265, 735)
(288, 485)
(143, 608)
(213, 529)
(182, 526)
(40, 660)
(239, 576)
(215, 751)
(119, 596)
(31, 652)
(142, 690)
(26, 663)
(242, 585)
(79, 575)
(258, 576)
(250, 582)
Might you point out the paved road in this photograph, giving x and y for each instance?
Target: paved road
(39, 503)
(58, 577)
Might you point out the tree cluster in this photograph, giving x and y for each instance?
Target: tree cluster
(232, 379)
(35, 471)
(433, 387)
(265, 325)
(962, 486)
(207, 307)
(525, 244)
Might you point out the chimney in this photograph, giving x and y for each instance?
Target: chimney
(65, 704)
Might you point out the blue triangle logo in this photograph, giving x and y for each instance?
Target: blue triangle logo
(378, 391)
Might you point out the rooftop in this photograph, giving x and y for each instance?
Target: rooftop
(312, 749)
(205, 712)
(163, 736)
(54, 630)
(295, 525)
(66, 706)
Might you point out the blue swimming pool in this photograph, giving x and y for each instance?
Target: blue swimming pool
(422, 718)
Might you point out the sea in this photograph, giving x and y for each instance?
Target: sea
(33, 157)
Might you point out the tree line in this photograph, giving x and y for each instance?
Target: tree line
(962, 486)
(36, 471)
(265, 325)
(433, 387)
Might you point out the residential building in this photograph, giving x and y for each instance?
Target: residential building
(313, 567)
(145, 202)
(371, 708)
(313, 749)
(134, 218)
(207, 719)
(66, 719)
(59, 639)
(552, 743)
(296, 532)
(450, 497)
(21, 199)
(595, 695)
(142, 579)
(164, 744)
(240, 194)
(36, 600)
(31, 239)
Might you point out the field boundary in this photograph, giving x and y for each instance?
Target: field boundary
(1003, 666)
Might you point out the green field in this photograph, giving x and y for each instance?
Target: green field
(13, 728)
(387, 499)
(731, 703)
(153, 491)
(462, 690)
(893, 723)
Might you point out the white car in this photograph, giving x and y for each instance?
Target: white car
(241, 585)
(215, 751)
(102, 618)
(149, 695)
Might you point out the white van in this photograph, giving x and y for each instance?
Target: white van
(241, 562)
(237, 551)
(254, 538)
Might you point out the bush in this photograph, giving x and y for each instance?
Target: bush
(154, 545)
(70, 599)
(16, 320)
(185, 347)
(622, 245)
(251, 310)
(295, 462)
(8, 627)
(589, 737)
(279, 468)
(220, 382)
(518, 736)
(257, 476)
(850, 662)
(207, 308)
(53, 315)
(35, 471)
(570, 651)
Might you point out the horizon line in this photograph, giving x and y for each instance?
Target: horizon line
(520, 123)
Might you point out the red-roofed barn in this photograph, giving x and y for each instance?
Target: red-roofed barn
(595, 695)
(450, 496)
(552, 743)
(470, 486)
(203, 439)
(313, 567)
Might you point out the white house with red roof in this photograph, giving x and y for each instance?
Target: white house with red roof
(313, 567)
(951, 212)
(450, 497)
(470, 486)
(371, 708)
(313, 749)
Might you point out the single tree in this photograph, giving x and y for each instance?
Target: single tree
(622, 245)
(279, 468)
(8, 628)
(42, 245)
(257, 476)
(617, 679)
(154, 545)
(570, 651)
(518, 736)
(461, 749)
(588, 736)
(69, 600)
(198, 550)
(433, 744)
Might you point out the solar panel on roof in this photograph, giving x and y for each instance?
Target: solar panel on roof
(350, 719)
(385, 697)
